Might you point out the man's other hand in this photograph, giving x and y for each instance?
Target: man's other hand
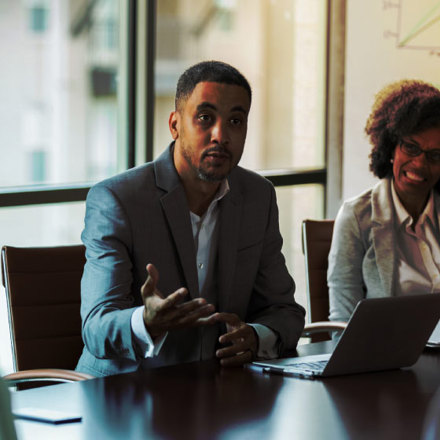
(240, 340)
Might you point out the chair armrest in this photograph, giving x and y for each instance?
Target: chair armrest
(323, 326)
(45, 374)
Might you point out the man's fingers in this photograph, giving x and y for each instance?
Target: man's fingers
(241, 342)
(235, 335)
(178, 313)
(237, 360)
(149, 287)
(232, 350)
(208, 320)
(188, 314)
(163, 314)
(173, 299)
(228, 318)
(197, 317)
(153, 272)
(236, 328)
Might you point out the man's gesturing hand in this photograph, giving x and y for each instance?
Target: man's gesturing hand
(241, 338)
(163, 314)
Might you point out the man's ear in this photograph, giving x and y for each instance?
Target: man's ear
(173, 124)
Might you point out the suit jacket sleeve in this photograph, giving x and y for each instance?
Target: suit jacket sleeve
(272, 302)
(107, 303)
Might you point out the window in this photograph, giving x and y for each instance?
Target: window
(59, 93)
(59, 105)
(278, 45)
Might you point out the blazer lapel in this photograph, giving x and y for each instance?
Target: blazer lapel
(383, 234)
(229, 216)
(177, 214)
(176, 211)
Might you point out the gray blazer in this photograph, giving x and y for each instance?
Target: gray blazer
(362, 261)
(141, 216)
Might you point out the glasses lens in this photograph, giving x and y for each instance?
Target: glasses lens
(410, 149)
(433, 156)
(414, 150)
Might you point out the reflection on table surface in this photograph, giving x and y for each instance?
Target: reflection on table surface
(204, 401)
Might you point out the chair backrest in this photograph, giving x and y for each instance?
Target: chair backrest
(317, 238)
(43, 295)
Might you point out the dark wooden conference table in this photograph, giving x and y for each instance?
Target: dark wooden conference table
(204, 401)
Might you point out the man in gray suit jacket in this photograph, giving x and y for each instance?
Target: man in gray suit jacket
(207, 226)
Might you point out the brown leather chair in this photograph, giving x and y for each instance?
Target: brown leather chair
(316, 240)
(43, 296)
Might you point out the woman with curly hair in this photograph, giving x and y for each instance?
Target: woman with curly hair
(386, 241)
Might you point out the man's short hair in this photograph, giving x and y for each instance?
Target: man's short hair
(208, 71)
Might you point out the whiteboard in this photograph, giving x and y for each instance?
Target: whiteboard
(386, 40)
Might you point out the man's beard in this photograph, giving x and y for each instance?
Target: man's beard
(207, 176)
(203, 174)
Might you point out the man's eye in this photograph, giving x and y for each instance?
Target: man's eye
(204, 118)
(236, 121)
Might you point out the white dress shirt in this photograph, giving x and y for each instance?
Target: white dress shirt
(205, 233)
(418, 250)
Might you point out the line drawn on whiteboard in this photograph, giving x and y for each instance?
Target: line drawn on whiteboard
(418, 24)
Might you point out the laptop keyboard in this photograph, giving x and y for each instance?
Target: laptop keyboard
(309, 366)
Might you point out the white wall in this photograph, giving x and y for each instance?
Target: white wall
(373, 59)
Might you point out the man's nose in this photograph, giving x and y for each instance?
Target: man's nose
(220, 132)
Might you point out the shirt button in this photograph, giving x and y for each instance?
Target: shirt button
(200, 265)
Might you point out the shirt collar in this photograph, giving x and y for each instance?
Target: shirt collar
(402, 214)
(223, 189)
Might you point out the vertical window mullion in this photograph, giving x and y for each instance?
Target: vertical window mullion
(145, 81)
(150, 72)
(131, 83)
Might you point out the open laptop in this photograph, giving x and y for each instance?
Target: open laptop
(382, 334)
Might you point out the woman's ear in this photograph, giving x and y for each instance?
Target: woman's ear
(393, 154)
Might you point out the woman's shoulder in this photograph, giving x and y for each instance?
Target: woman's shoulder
(362, 205)
(357, 207)
(364, 198)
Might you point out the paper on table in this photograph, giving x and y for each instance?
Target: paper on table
(434, 339)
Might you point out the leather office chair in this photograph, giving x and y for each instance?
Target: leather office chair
(43, 296)
(316, 240)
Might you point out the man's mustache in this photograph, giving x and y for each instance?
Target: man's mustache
(217, 149)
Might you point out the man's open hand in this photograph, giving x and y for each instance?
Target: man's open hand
(164, 314)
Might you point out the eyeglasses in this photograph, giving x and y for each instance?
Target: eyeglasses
(414, 150)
